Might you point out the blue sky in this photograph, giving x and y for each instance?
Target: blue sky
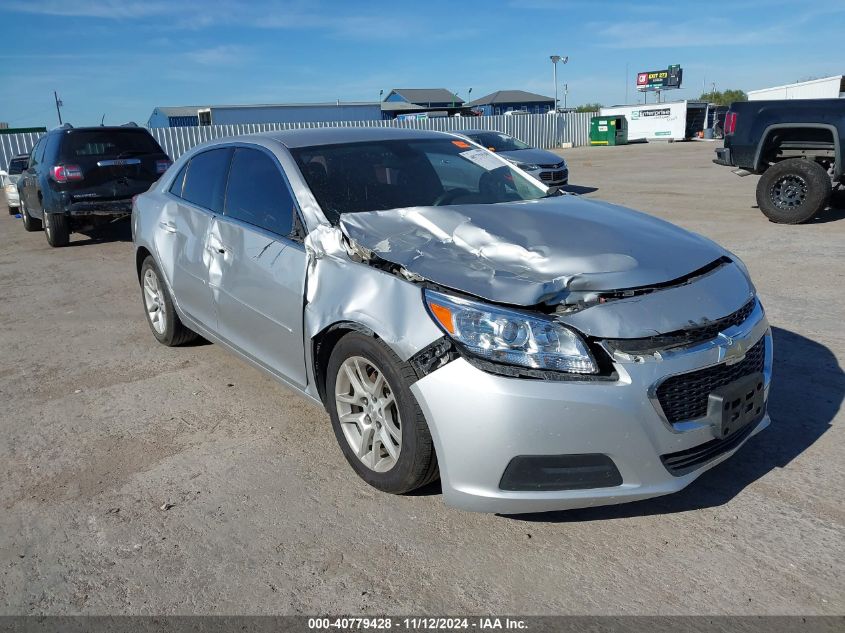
(122, 58)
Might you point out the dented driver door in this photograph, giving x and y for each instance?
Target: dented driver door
(258, 273)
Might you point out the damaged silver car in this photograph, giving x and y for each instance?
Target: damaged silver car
(534, 350)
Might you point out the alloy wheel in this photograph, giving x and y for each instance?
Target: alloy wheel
(154, 301)
(368, 413)
(789, 191)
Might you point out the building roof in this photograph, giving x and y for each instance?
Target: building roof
(511, 96)
(400, 106)
(427, 95)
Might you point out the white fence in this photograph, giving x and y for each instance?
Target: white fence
(538, 130)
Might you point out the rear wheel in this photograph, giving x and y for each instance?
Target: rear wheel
(166, 325)
(793, 191)
(376, 419)
(29, 223)
(57, 229)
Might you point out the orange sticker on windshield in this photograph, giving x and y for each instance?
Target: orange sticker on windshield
(461, 144)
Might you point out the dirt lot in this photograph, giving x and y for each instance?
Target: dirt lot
(101, 426)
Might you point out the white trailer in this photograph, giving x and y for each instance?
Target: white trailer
(675, 120)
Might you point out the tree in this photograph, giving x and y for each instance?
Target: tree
(589, 107)
(724, 98)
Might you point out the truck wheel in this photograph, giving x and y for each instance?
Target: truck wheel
(793, 191)
(376, 419)
(57, 229)
(30, 223)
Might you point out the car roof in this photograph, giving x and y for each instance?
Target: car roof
(468, 132)
(339, 135)
(99, 128)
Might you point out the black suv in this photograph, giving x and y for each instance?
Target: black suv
(78, 178)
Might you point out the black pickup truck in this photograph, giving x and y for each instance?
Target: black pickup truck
(796, 145)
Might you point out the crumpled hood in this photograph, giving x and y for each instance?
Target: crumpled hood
(527, 253)
(533, 156)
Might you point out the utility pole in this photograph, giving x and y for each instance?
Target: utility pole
(565, 93)
(555, 59)
(59, 104)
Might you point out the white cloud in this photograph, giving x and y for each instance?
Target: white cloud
(223, 55)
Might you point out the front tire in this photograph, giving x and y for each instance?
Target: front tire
(793, 191)
(57, 229)
(165, 324)
(30, 223)
(376, 419)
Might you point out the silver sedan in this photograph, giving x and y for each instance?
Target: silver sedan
(457, 319)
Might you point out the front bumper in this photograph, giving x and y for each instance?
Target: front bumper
(552, 177)
(496, 419)
(13, 200)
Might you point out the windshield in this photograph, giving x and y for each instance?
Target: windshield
(497, 141)
(108, 143)
(377, 175)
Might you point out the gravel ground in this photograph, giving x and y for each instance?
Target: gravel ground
(102, 428)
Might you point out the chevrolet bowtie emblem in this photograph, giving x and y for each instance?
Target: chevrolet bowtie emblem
(730, 350)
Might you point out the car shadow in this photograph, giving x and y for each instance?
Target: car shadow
(808, 387)
(120, 231)
(833, 213)
(579, 189)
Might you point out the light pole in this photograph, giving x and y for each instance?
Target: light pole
(555, 59)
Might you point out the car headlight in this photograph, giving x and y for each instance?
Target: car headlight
(11, 189)
(509, 336)
(525, 166)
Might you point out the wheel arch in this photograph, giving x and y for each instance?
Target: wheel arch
(324, 342)
(141, 253)
(768, 133)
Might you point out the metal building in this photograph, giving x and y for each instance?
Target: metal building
(826, 88)
(503, 101)
(192, 116)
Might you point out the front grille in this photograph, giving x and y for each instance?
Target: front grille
(553, 176)
(689, 336)
(683, 462)
(684, 397)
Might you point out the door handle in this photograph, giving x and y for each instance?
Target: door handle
(168, 226)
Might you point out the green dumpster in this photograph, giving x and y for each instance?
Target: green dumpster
(609, 130)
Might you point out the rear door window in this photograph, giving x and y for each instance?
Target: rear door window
(17, 166)
(176, 187)
(37, 152)
(257, 192)
(205, 182)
